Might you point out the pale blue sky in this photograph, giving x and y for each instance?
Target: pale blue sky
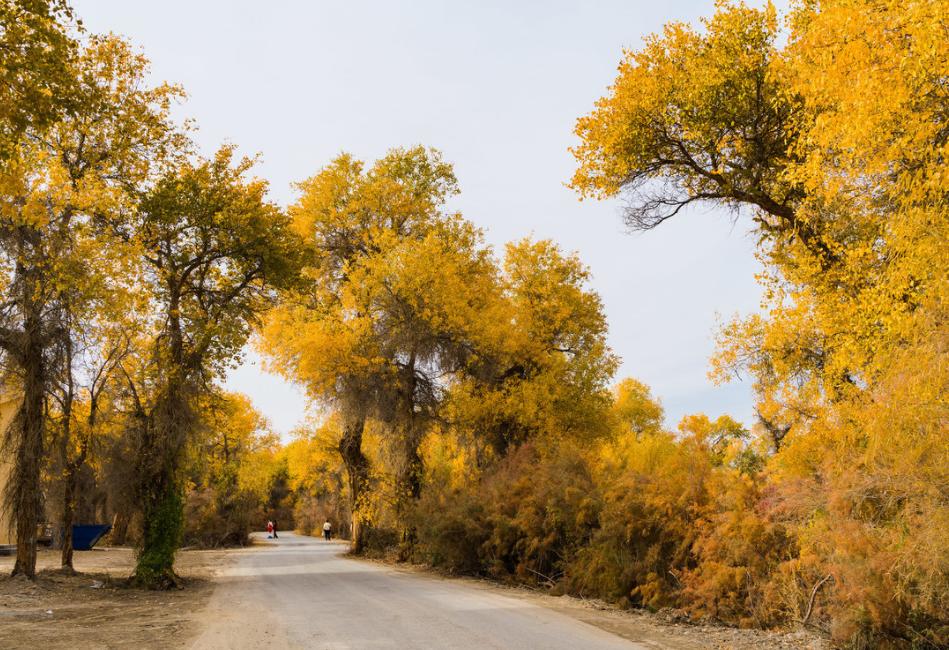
(496, 86)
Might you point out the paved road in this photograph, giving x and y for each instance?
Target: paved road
(299, 592)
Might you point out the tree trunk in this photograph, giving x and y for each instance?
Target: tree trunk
(69, 516)
(120, 528)
(24, 489)
(357, 466)
(162, 443)
(162, 523)
(409, 479)
(70, 468)
(410, 476)
(69, 498)
(409, 487)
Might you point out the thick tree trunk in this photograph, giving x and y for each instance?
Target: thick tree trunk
(409, 477)
(162, 523)
(160, 449)
(24, 488)
(164, 434)
(409, 486)
(357, 466)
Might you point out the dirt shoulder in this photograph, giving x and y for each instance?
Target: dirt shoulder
(663, 630)
(94, 609)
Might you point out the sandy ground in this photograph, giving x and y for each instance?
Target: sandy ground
(300, 592)
(95, 610)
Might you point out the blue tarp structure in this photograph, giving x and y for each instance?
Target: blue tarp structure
(84, 537)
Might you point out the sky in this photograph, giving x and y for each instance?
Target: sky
(497, 87)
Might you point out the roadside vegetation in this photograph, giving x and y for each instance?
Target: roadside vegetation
(468, 410)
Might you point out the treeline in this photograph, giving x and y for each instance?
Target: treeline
(470, 416)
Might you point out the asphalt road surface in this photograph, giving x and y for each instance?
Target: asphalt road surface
(300, 592)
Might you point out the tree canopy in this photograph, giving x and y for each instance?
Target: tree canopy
(834, 144)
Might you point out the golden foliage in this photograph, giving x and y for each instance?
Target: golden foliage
(836, 142)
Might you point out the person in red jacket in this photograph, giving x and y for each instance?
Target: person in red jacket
(270, 530)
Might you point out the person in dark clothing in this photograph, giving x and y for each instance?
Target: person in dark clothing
(275, 529)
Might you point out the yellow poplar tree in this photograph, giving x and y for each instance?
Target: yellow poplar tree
(543, 369)
(37, 74)
(397, 291)
(835, 145)
(215, 252)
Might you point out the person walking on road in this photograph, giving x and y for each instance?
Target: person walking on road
(275, 529)
(327, 530)
(269, 529)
